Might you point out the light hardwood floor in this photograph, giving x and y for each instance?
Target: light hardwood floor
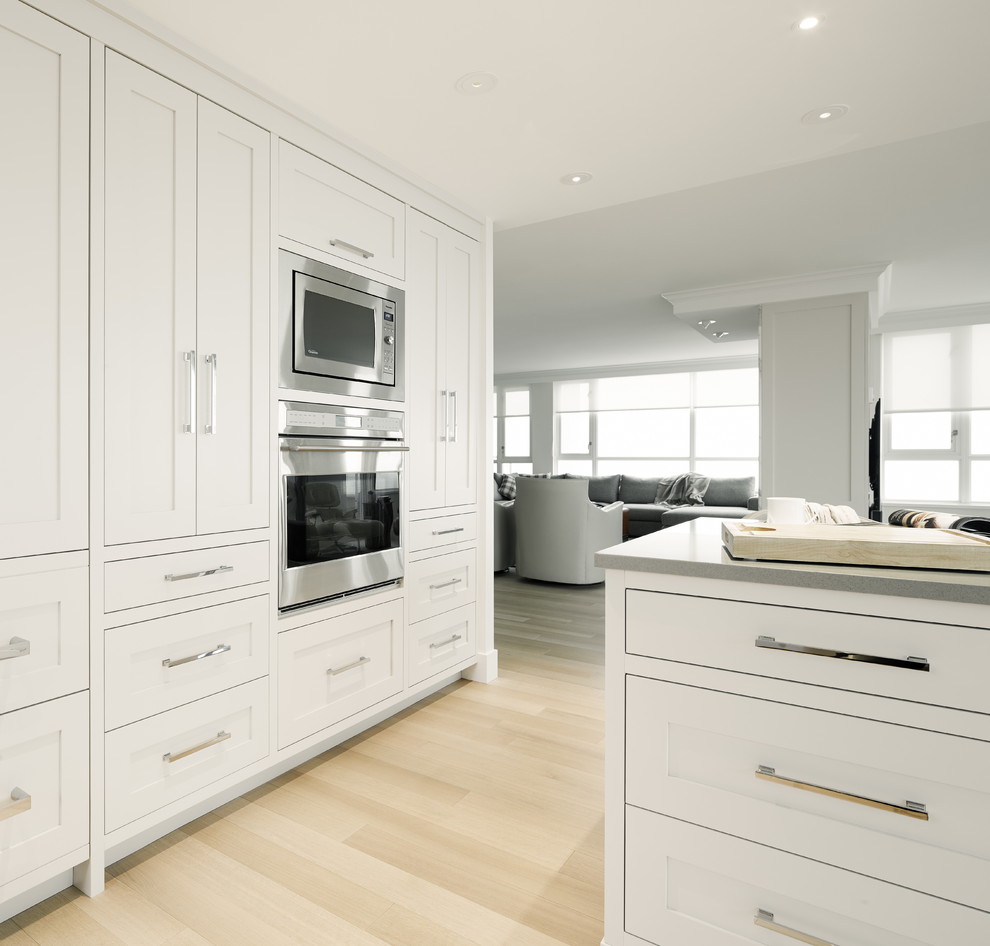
(471, 819)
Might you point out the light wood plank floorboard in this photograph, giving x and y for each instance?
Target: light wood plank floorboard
(471, 819)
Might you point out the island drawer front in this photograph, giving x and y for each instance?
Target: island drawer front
(44, 636)
(336, 213)
(138, 581)
(694, 887)
(746, 637)
(436, 585)
(159, 760)
(335, 668)
(428, 534)
(694, 754)
(44, 766)
(440, 642)
(157, 665)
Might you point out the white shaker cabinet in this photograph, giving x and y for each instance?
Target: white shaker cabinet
(186, 311)
(44, 193)
(444, 314)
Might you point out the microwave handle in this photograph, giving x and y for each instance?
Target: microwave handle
(367, 254)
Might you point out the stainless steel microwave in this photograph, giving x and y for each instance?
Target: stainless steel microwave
(339, 333)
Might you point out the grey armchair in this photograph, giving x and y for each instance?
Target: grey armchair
(558, 530)
(505, 534)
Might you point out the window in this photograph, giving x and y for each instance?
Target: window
(659, 425)
(513, 450)
(936, 402)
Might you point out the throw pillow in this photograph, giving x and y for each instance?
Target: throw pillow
(507, 486)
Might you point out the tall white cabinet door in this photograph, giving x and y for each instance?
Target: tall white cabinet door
(462, 281)
(150, 305)
(425, 354)
(443, 304)
(44, 254)
(233, 303)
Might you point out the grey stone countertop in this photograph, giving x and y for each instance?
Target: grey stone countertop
(695, 548)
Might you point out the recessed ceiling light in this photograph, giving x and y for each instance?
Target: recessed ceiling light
(826, 113)
(808, 23)
(578, 177)
(476, 83)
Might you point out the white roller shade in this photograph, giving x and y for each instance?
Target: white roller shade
(946, 369)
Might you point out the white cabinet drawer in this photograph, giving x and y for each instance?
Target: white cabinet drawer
(440, 642)
(156, 665)
(693, 887)
(44, 636)
(138, 581)
(694, 754)
(726, 634)
(333, 212)
(44, 759)
(332, 669)
(427, 534)
(161, 759)
(435, 585)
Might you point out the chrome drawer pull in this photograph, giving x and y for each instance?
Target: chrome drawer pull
(333, 671)
(220, 649)
(446, 584)
(907, 663)
(449, 640)
(220, 737)
(910, 809)
(17, 647)
(448, 531)
(20, 801)
(350, 448)
(219, 570)
(367, 254)
(765, 919)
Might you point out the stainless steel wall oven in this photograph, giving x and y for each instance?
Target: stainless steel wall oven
(341, 496)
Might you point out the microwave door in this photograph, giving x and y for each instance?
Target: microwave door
(337, 331)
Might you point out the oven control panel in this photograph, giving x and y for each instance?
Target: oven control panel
(328, 420)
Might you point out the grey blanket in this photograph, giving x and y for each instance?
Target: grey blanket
(686, 489)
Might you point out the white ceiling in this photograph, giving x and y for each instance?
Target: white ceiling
(687, 114)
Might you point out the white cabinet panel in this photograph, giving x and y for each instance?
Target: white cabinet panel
(161, 759)
(427, 535)
(335, 213)
(156, 665)
(332, 669)
(44, 636)
(44, 758)
(44, 259)
(435, 585)
(440, 642)
(693, 887)
(150, 307)
(443, 312)
(186, 324)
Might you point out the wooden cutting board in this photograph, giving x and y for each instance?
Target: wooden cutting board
(891, 546)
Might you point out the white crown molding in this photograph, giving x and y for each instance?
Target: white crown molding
(619, 371)
(871, 277)
(904, 321)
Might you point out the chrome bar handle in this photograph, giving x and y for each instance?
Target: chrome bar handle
(17, 647)
(449, 640)
(765, 919)
(910, 809)
(367, 254)
(189, 357)
(448, 531)
(219, 570)
(220, 737)
(446, 584)
(453, 400)
(219, 649)
(20, 801)
(294, 448)
(905, 663)
(333, 671)
(446, 420)
(211, 427)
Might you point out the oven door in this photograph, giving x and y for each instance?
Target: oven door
(340, 508)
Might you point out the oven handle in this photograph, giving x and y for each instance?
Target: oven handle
(298, 449)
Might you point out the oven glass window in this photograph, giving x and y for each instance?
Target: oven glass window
(334, 516)
(338, 330)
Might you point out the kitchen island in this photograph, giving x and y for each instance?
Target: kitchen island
(794, 752)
